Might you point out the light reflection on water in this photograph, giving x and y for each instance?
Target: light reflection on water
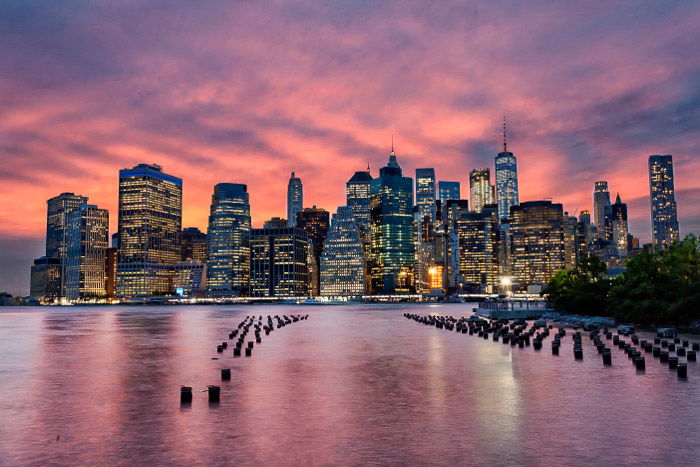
(353, 385)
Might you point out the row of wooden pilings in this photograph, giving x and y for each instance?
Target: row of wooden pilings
(239, 334)
(522, 334)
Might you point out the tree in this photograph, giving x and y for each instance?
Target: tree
(582, 290)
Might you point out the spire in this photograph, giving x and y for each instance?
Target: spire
(617, 200)
(292, 175)
(392, 143)
(505, 142)
(367, 166)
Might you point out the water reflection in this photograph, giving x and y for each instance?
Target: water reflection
(353, 385)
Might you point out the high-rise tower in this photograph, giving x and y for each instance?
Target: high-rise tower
(506, 179)
(664, 215)
(480, 189)
(342, 259)
(619, 227)
(392, 249)
(448, 191)
(295, 199)
(425, 192)
(86, 250)
(601, 204)
(228, 241)
(150, 220)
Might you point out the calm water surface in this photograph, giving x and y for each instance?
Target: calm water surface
(353, 385)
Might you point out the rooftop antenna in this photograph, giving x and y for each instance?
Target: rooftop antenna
(505, 143)
(392, 142)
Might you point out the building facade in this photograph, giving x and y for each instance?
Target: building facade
(478, 249)
(448, 190)
(316, 222)
(620, 228)
(193, 245)
(279, 262)
(357, 194)
(295, 199)
(664, 214)
(481, 192)
(342, 262)
(228, 241)
(537, 243)
(58, 209)
(150, 221)
(86, 253)
(425, 192)
(601, 209)
(45, 282)
(392, 249)
(506, 182)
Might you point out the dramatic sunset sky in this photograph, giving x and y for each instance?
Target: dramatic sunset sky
(247, 91)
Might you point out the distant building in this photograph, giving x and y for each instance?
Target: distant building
(506, 182)
(58, 209)
(601, 209)
(45, 284)
(392, 249)
(620, 229)
(193, 245)
(538, 244)
(357, 197)
(342, 263)
(295, 199)
(478, 249)
(279, 262)
(150, 221)
(448, 190)
(425, 192)
(316, 222)
(86, 250)
(111, 272)
(188, 279)
(664, 215)
(481, 191)
(228, 241)
(275, 223)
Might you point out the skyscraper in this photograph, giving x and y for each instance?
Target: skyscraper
(448, 191)
(620, 229)
(664, 216)
(506, 179)
(295, 199)
(425, 192)
(45, 283)
(392, 254)
(279, 261)
(228, 241)
(538, 244)
(58, 209)
(315, 221)
(481, 191)
(342, 259)
(87, 241)
(357, 198)
(601, 203)
(478, 249)
(150, 219)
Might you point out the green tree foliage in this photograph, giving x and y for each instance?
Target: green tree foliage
(582, 290)
(657, 287)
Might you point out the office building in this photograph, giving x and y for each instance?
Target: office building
(87, 241)
(601, 209)
(279, 261)
(392, 250)
(316, 222)
(342, 262)
(295, 199)
(448, 190)
(425, 192)
(357, 195)
(506, 179)
(150, 221)
(45, 282)
(620, 229)
(481, 191)
(664, 215)
(193, 245)
(478, 249)
(228, 241)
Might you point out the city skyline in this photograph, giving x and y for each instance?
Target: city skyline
(61, 139)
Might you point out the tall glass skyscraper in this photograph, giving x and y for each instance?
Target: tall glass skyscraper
(315, 221)
(506, 180)
(601, 207)
(150, 220)
(86, 250)
(295, 199)
(357, 198)
(279, 261)
(58, 209)
(425, 193)
(342, 259)
(448, 190)
(392, 253)
(664, 215)
(481, 191)
(478, 249)
(228, 241)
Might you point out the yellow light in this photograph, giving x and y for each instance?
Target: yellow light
(506, 281)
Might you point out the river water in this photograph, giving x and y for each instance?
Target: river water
(352, 385)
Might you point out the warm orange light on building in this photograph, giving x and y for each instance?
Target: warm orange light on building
(435, 274)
